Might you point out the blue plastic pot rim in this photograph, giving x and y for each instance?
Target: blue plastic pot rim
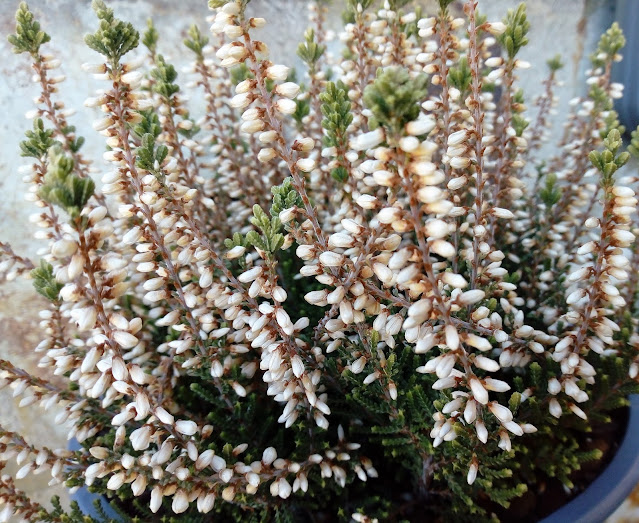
(606, 493)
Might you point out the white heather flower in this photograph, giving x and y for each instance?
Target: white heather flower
(132, 78)
(205, 502)
(472, 473)
(423, 125)
(482, 432)
(277, 73)
(305, 164)
(180, 502)
(457, 183)
(366, 201)
(297, 365)
(103, 123)
(623, 238)
(495, 28)
(266, 154)
(479, 392)
(452, 337)
(443, 248)
(384, 274)
(369, 140)
(341, 240)
(454, 280)
(252, 126)
(472, 296)
(125, 339)
(186, 427)
(459, 162)
(486, 364)
(502, 213)
(239, 101)
(267, 136)
(287, 89)
(436, 229)
(116, 481)
(86, 320)
(478, 342)
(63, 248)
(458, 137)
(554, 408)
(304, 145)
(140, 438)
(94, 68)
(494, 61)
(502, 413)
(331, 259)
(164, 416)
(269, 456)
(156, 499)
(285, 106)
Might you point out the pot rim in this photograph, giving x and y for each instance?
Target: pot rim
(615, 483)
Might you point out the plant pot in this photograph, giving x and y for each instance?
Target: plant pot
(606, 493)
(600, 499)
(86, 499)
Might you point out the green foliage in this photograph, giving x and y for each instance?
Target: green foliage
(237, 240)
(284, 197)
(44, 281)
(336, 108)
(555, 63)
(302, 109)
(196, 41)
(38, 141)
(28, 37)
(551, 193)
(114, 38)
(309, 50)
(443, 5)
(165, 76)
(73, 515)
(607, 162)
(394, 98)
(239, 73)
(398, 4)
(216, 4)
(353, 6)
(459, 75)
(610, 43)
(271, 239)
(519, 123)
(150, 37)
(148, 156)
(150, 124)
(61, 187)
(611, 119)
(633, 148)
(599, 96)
(517, 26)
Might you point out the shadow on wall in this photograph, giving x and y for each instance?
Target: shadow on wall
(627, 14)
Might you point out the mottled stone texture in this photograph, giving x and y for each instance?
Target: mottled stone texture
(566, 26)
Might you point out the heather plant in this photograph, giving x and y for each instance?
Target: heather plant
(369, 295)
